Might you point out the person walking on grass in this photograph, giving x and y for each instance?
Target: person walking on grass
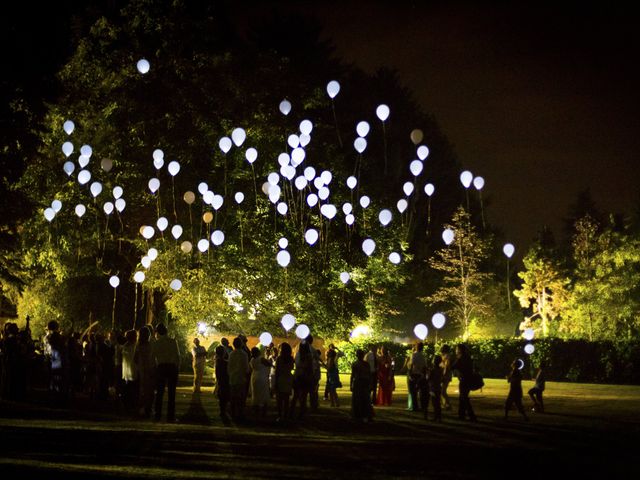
(515, 390)
(361, 408)
(260, 395)
(536, 392)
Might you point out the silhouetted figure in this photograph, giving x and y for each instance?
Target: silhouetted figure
(222, 389)
(316, 374)
(435, 387)
(361, 408)
(238, 369)
(463, 365)
(199, 354)
(260, 394)
(56, 354)
(333, 376)
(130, 373)
(146, 368)
(515, 390)
(284, 380)
(536, 392)
(104, 355)
(372, 359)
(167, 358)
(303, 378)
(447, 374)
(418, 388)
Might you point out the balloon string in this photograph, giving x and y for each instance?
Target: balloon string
(113, 310)
(428, 216)
(135, 305)
(173, 194)
(255, 185)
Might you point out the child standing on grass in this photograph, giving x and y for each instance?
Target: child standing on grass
(536, 392)
(515, 390)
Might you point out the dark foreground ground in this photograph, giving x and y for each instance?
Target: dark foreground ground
(590, 431)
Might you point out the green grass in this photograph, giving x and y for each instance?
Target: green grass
(589, 430)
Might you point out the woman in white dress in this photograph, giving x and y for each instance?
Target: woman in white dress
(260, 394)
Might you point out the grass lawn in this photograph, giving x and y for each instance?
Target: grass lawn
(589, 431)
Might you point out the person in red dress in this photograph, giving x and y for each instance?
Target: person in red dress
(386, 382)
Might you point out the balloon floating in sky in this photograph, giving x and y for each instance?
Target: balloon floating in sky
(176, 231)
(162, 223)
(68, 167)
(429, 189)
(106, 164)
(80, 210)
(239, 197)
(288, 321)
(154, 185)
(56, 205)
(438, 320)
(408, 188)
(306, 127)
(120, 204)
(148, 232)
(283, 258)
(108, 208)
(143, 66)
(238, 136)
(203, 245)
(529, 348)
(333, 88)
(225, 144)
(68, 127)
(508, 250)
(186, 246)
(385, 216)
(395, 258)
(114, 281)
(139, 276)
(251, 155)
(416, 167)
(152, 253)
(189, 197)
(285, 107)
(368, 246)
(217, 238)
(365, 201)
(67, 148)
(448, 236)
(362, 129)
(345, 277)
(265, 338)
(478, 183)
(360, 144)
(382, 112)
(466, 178)
(86, 151)
(311, 236)
(416, 136)
(352, 182)
(423, 152)
(421, 331)
(283, 243)
(175, 284)
(528, 334)
(117, 192)
(302, 331)
(49, 214)
(95, 189)
(402, 205)
(174, 168)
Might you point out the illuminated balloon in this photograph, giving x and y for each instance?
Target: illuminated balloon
(318, 183)
(297, 156)
(174, 168)
(421, 331)
(478, 183)
(416, 136)
(408, 188)
(80, 210)
(106, 164)
(328, 211)
(158, 163)
(265, 188)
(143, 65)
(225, 144)
(175, 284)
(385, 216)
(528, 334)
(350, 219)
(282, 208)
(56, 205)
(302, 331)
(68, 167)
(139, 276)
(251, 155)
(145, 261)
(108, 208)
(352, 182)
(309, 173)
(323, 193)
(208, 197)
(186, 246)
(306, 127)
(148, 232)
(288, 172)
(382, 112)
(285, 107)
(311, 236)
(120, 204)
(333, 88)
(326, 177)
(284, 159)
(114, 281)
(368, 246)
(86, 151)
(162, 223)
(189, 197)
(347, 208)
(117, 192)
(360, 144)
(438, 320)
(529, 348)
(154, 185)
(203, 245)
(283, 243)
(68, 127)
(395, 258)
(345, 277)
(67, 148)
(203, 188)
(288, 321)
(362, 129)
(239, 197)
(49, 214)
(416, 167)
(274, 193)
(207, 217)
(448, 236)
(218, 200)
(466, 178)
(158, 154)
(423, 152)
(217, 237)
(176, 231)
(402, 205)
(84, 176)
(95, 189)
(508, 250)
(83, 161)
(429, 189)
(283, 258)
(265, 338)
(238, 136)
(312, 200)
(293, 140)
(152, 253)
(300, 182)
(273, 178)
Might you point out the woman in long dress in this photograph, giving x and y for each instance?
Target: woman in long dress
(284, 380)
(386, 382)
(260, 368)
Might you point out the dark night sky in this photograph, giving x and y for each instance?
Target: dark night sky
(540, 101)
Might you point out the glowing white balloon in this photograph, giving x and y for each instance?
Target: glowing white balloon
(203, 245)
(423, 152)
(208, 197)
(176, 231)
(302, 331)
(508, 250)
(326, 177)
(217, 237)
(448, 235)
(311, 236)
(68, 167)
(347, 208)
(174, 168)
(186, 246)
(360, 144)
(108, 208)
(86, 151)
(385, 216)
(304, 140)
(80, 210)
(382, 112)
(117, 192)
(297, 156)
(145, 261)
(309, 173)
(529, 348)
(273, 178)
(293, 140)
(352, 182)
(175, 284)
(49, 214)
(323, 193)
(466, 178)
(95, 189)
(288, 321)
(283, 258)
(68, 127)
(345, 277)
(265, 338)
(421, 331)
(284, 159)
(203, 188)
(306, 127)
(154, 185)
(274, 193)
(239, 197)
(478, 183)
(368, 246)
(365, 201)
(158, 154)
(114, 281)
(67, 148)
(312, 200)
(217, 202)
(106, 164)
(408, 188)
(143, 65)
(225, 144)
(395, 258)
(328, 211)
(83, 161)
(416, 136)
(318, 183)
(429, 189)
(120, 204)
(438, 320)
(528, 334)
(285, 107)
(152, 253)
(238, 136)
(251, 155)
(362, 129)
(56, 205)
(416, 167)
(402, 205)
(283, 243)
(139, 276)
(333, 88)
(148, 232)
(158, 163)
(162, 223)
(282, 208)
(84, 176)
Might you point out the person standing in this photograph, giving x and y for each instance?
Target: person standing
(146, 367)
(199, 354)
(303, 378)
(361, 408)
(447, 374)
(129, 373)
(333, 376)
(260, 395)
(386, 381)
(166, 355)
(464, 366)
(515, 391)
(435, 387)
(284, 380)
(238, 369)
(372, 359)
(536, 392)
(222, 389)
(418, 382)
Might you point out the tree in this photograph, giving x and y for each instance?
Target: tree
(463, 281)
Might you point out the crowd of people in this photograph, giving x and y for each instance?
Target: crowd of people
(138, 366)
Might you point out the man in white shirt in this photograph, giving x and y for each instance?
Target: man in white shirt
(417, 384)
